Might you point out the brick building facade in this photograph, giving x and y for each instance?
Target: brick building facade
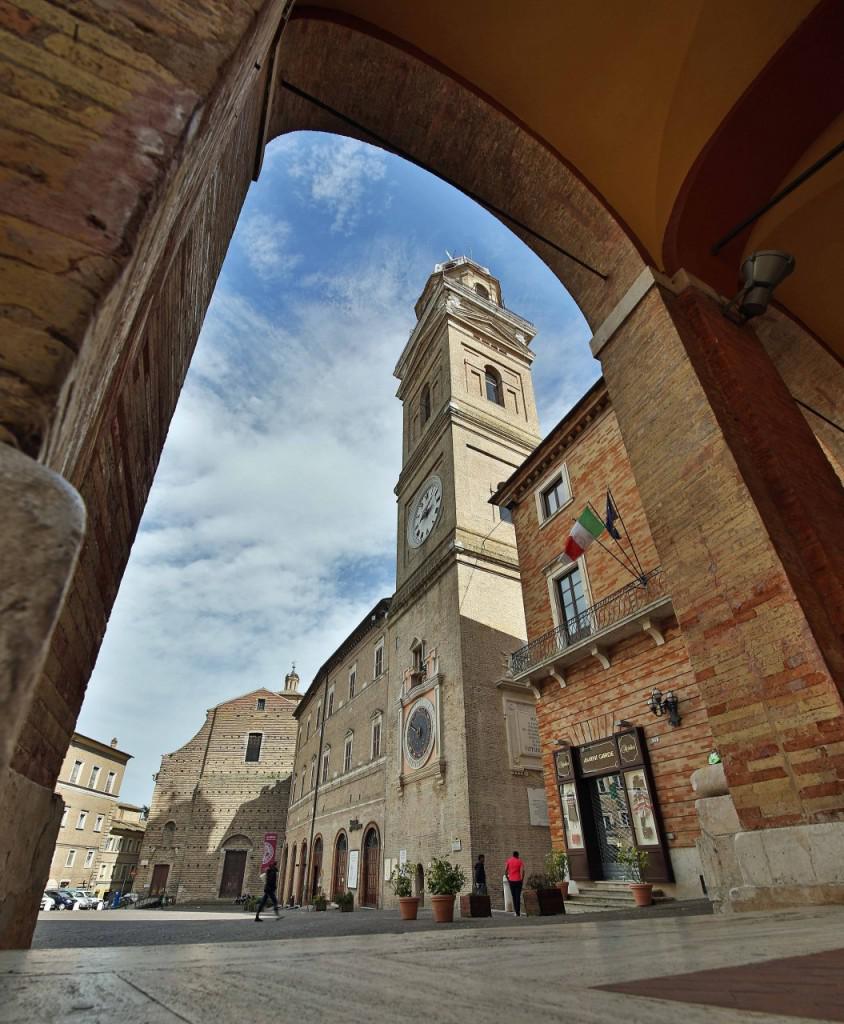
(89, 786)
(217, 796)
(335, 823)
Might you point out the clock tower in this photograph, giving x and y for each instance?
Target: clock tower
(456, 785)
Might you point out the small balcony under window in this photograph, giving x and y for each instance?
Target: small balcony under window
(591, 630)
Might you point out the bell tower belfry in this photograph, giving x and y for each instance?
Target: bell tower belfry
(469, 421)
(469, 415)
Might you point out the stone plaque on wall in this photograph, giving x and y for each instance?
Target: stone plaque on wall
(538, 807)
(523, 735)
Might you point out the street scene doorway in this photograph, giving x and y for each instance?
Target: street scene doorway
(234, 866)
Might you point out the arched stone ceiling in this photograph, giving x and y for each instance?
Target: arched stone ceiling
(632, 96)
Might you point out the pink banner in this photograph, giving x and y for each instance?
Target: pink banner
(270, 844)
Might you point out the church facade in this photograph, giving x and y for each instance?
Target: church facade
(217, 797)
(458, 768)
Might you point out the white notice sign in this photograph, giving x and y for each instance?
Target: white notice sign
(538, 807)
(352, 882)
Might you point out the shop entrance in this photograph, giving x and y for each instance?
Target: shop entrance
(608, 802)
(611, 823)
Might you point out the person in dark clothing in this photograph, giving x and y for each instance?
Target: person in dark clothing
(270, 883)
(480, 876)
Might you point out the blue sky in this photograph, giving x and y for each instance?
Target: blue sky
(270, 529)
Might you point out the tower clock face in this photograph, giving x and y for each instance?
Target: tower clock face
(419, 732)
(425, 512)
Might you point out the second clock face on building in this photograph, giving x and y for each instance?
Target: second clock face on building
(419, 732)
(425, 511)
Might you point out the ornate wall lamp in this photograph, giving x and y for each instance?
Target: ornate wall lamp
(665, 705)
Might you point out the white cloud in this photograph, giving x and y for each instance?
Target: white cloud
(337, 173)
(270, 530)
(263, 240)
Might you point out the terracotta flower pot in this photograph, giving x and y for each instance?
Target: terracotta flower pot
(409, 907)
(443, 907)
(642, 893)
(564, 889)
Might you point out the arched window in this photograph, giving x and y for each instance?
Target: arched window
(482, 291)
(494, 391)
(425, 404)
(341, 850)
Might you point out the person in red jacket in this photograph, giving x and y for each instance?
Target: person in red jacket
(514, 869)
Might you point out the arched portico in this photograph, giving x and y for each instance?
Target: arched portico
(688, 388)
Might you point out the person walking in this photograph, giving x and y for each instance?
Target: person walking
(270, 883)
(480, 876)
(515, 872)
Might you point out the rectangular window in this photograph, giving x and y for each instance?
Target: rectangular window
(80, 821)
(554, 496)
(329, 710)
(347, 755)
(253, 747)
(318, 714)
(261, 704)
(110, 782)
(108, 844)
(353, 678)
(376, 738)
(71, 857)
(573, 606)
(379, 660)
(98, 823)
(325, 761)
(103, 870)
(308, 729)
(75, 770)
(118, 842)
(302, 787)
(506, 514)
(313, 772)
(95, 774)
(89, 858)
(64, 816)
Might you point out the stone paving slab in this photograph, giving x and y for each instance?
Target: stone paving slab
(185, 924)
(515, 974)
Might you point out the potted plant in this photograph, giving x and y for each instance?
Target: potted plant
(542, 897)
(320, 902)
(345, 901)
(556, 867)
(445, 880)
(401, 882)
(635, 861)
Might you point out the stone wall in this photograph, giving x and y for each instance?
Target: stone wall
(208, 799)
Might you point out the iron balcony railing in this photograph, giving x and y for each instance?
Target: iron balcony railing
(591, 621)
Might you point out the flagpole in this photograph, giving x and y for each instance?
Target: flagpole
(631, 567)
(627, 534)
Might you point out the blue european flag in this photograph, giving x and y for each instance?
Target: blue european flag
(610, 518)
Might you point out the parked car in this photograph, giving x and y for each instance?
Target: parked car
(129, 899)
(80, 898)
(94, 901)
(47, 902)
(62, 899)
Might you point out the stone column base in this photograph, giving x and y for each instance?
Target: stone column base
(31, 817)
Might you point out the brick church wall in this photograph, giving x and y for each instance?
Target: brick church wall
(208, 800)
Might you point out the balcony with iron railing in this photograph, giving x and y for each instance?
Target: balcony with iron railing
(635, 608)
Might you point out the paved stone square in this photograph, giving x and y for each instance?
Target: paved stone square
(503, 970)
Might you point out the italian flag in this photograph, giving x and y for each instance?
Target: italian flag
(584, 531)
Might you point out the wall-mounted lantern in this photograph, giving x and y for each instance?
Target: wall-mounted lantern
(665, 705)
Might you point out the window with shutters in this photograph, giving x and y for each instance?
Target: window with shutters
(71, 857)
(95, 774)
(75, 770)
(253, 747)
(313, 771)
(376, 738)
(353, 679)
(347, 753)
(379, 659)
(80, 821)
(98, 823)
(110, 782)
(329, 707)
(89, 858)
(326, 758)
(261, 704)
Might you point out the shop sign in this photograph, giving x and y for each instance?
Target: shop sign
(562, 759)
(628, 749)
(597, 758)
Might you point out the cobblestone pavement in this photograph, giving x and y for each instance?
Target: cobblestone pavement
(184, 924)
(657, 969)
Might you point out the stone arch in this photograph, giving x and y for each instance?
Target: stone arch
(340, 864)
(291, 878)
(315, 884)
(236, 842)
(370, 867)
